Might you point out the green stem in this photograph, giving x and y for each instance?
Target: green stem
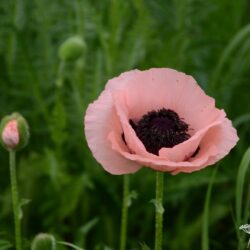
(123, 236)
(60, 75)
(159, 210)
(79, 17)
(15, 203)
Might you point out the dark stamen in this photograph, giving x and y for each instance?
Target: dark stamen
(162, 128)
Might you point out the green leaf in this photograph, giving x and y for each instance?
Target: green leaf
(23, 202)
(240, 185)
(107, 248)
(238, 39)
(240, 182)
(69, 245)
(144, 246)
(158, 206)
(89, 225)
(132, 196)
(5, 244)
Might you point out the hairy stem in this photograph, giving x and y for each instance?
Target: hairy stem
(15, 202)
(123, 236)
(159, 210)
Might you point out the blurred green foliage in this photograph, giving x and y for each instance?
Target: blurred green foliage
(71, 195)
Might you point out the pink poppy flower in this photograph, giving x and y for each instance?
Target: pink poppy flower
(157, 118)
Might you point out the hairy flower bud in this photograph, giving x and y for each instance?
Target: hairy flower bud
(72, 49)
(44, 241)
(14, 132)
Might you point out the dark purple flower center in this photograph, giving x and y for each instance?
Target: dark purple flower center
(162, 128)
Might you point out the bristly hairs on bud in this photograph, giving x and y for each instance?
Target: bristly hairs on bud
(14, 132)
(44, 241)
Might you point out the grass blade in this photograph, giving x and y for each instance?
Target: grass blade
(69, 245)
(239, 190)
(205, 222)
(235, 42)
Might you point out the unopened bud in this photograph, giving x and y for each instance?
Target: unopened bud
(72, 49)
(44, 241)
(14, 132)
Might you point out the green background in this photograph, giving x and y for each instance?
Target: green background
(72, 196)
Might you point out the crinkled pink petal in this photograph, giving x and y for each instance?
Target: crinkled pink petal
(156, 163)
(154, 89)
(222, 138)
(100, 120)
(178, 153)
(213, 147)
(120, 81)
(144, 161)
(133, 142)
(10, 134)
(186, 149)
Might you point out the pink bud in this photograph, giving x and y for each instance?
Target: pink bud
(10, 134)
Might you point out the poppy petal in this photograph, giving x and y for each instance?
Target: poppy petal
(100, 119)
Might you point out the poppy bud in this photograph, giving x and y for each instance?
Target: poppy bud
(72, 49)
(14, 132)
(44, 241)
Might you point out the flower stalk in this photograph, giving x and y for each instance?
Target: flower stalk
(124, 219)
(14, 135)
(15, 201)
(159, 210)
(60, 75)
